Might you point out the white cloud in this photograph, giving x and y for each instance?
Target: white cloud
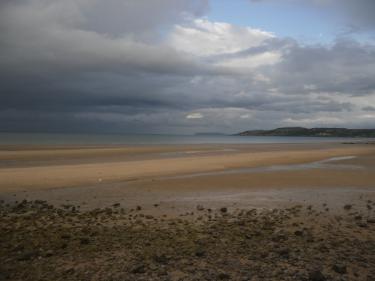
(223, 45)
(194, 116)
(368, 116)
(251, 61)
(310, 87)
(206, 38)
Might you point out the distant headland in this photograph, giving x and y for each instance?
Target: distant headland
(312, 132)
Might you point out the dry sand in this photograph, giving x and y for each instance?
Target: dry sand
(72, 174)
(179, 177)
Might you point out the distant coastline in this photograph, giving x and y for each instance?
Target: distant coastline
(312, 132)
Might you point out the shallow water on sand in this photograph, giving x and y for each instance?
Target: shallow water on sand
(324, 164)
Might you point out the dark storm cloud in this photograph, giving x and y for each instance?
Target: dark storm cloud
(117, 17)
(360, 12)
(68, 36)
(369, 108)
(63, 68)
(346, 67)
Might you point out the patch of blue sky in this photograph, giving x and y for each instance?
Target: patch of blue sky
(301, 21)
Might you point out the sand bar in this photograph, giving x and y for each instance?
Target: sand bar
(102, 170)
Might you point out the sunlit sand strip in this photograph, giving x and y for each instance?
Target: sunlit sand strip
(78, 174)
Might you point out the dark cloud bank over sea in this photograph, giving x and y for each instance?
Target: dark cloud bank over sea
(163, 67)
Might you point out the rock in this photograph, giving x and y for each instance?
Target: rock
(347, 207)
(223, 210)
(139, 269)
(339, 268)
(362, 224)
(65, 236)
(116, 205)
(264, 255)
(18, 248)
(3, 276)
(316, 276)
(279, 235)
(49, 253)
(310, 239)
(138, 208)
(200, 208)
(108, 211)
(223, 276)
(161, 258)
(84, 241)
(298, 233)
(200, 253)
(371, 220)
(338, 218)
(28, 255)
(66, 206)
(70, 271)
(284, 252)
(248, 236)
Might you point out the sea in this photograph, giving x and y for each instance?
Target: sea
(152, 139)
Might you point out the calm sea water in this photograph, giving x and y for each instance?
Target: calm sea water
(91, 139)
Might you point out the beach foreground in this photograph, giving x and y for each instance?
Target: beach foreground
(198, 212)
(40, 242)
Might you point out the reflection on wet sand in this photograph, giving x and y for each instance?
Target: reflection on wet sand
(324, 164)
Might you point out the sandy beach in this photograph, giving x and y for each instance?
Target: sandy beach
(188, 212)
(147, 175)
(64, 167)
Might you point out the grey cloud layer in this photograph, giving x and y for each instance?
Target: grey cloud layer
(63, 68)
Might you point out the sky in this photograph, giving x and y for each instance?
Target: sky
(185, 66)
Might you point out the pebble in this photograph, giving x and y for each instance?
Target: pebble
(339, 268)
(223, 210)
(316, 276)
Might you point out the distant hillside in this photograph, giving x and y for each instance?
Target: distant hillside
(313, 132)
